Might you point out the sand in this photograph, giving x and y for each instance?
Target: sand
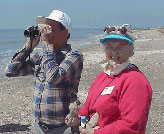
(16, 93)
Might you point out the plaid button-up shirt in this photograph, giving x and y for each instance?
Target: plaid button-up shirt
(57, 76)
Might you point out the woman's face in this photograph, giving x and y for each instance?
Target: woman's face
(118, 51)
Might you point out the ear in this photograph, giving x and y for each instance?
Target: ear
(108, 56)
(67, 33)
(131, 51)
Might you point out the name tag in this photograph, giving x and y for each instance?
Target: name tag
(107, 90)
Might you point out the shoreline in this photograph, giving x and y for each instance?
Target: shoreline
(16, 93)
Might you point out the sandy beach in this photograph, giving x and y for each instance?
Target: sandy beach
(16, 93)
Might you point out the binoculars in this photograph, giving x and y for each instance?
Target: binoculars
(32, 31)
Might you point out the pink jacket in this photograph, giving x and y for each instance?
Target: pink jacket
(123, 102)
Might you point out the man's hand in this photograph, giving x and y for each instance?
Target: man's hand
(72, 118)
(86, 130)
(72, 121)
(35, 42)
(47, 35)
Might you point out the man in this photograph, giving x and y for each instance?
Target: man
(57, 72)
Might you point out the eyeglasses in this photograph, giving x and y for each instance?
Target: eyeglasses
(109, 29)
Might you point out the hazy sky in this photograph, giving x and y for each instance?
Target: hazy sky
(84, 13)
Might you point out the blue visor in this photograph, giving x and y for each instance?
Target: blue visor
(117, 36)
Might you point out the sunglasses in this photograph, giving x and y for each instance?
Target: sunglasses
(110, 29)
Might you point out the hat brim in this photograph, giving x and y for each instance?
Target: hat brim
(116, 36)
(42, 20)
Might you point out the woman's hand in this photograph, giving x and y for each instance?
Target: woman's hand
(86, 130)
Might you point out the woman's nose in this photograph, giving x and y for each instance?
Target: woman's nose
(115, 51)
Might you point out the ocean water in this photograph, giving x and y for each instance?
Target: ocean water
(11, 40)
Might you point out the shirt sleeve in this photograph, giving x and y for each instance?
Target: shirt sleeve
(84, 110)
(74, 87)
(69, 70)
(20, 65)
(134, 104)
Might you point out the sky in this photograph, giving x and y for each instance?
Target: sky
(19, 14)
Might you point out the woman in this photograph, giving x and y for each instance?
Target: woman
(120, 96)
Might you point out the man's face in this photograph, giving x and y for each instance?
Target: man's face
(118, 51)
(52, 34)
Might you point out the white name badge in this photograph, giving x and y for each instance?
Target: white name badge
(107, 90)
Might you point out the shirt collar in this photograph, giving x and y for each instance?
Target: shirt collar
(65, 48)
(117, 68)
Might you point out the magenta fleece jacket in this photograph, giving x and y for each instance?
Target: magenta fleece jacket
(123, 102)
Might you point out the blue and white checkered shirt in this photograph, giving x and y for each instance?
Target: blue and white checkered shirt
(57, 76)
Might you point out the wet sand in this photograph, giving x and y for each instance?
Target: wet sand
(16, 93)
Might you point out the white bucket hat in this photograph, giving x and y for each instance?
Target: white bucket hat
(58, 16)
